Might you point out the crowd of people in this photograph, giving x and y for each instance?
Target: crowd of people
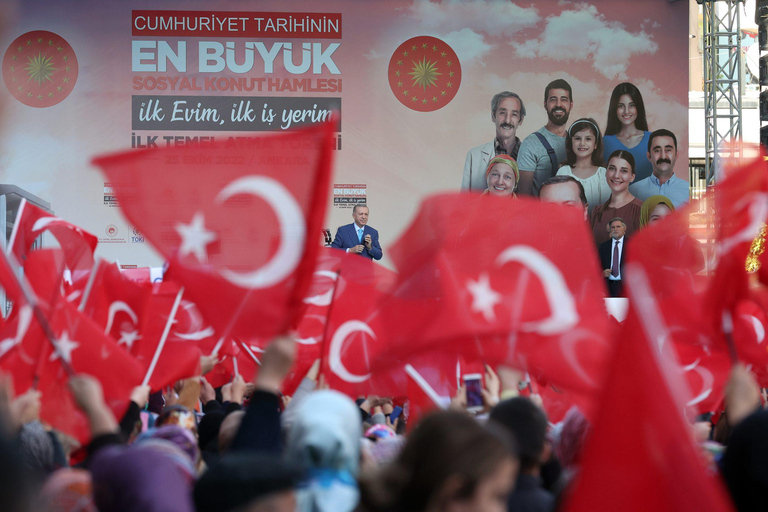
(616, 174)
(247, 447)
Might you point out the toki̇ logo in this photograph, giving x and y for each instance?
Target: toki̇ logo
(137, 237)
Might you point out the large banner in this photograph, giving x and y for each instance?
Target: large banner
(412, 82)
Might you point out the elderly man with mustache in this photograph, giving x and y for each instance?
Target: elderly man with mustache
(507, 113)
(662, 152)
(543, 151)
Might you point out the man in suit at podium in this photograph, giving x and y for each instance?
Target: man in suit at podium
(359, 237)
(612, 254)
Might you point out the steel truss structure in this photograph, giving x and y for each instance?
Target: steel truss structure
(723, 83)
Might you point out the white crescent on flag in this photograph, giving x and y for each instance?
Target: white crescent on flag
(757, 325)
(562, 305)
(116, 306)
(568, 342)
(323, 299)
(25, 318)
(196, 331)
(292, 231)
(334, 352)
(707, 381)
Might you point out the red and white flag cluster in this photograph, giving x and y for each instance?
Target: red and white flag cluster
(479, 281)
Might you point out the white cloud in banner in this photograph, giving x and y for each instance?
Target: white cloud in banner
(584, 34)
(662, 111)
(490, 17)
(467, 44)
(373, 54)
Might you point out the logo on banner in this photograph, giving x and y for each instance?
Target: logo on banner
(111, 230)
(424, 73)
(137, 237)
(40, 68)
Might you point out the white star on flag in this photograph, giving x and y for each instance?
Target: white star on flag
(484, 298)
(128, 337)
(65, 347)
(194, 237)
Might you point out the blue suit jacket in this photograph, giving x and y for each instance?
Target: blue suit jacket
(346, 238)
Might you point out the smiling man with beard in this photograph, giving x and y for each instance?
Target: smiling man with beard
(662, 152)
(543, 150)
(507, 113)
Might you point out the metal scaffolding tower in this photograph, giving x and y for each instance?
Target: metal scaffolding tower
(723, 82)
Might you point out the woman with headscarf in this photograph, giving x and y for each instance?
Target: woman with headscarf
(501, 176)
(654, 209)
(153, 476)
(324, 440)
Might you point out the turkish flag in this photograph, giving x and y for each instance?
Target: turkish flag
(238, 222)
(83, 345)
(177, 359)
(741, 210)
(354, 335)
(234, 361)
(78, 245)
(640, 444)
(692, 305)
(115, 303)
(750, 324)
(500, 281)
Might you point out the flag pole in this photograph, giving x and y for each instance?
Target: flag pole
(42, 320)
(248, 351)
(231, 324)
(424, 385)
(164, 337)
(89, 286)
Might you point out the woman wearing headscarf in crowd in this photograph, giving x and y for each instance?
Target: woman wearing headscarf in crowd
(584, 161)
(627, 128)
(449, 462)
(501, 176)
(654, 209)
(324, 440)
(619, 174)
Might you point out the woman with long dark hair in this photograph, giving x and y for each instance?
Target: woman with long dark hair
(627, 128)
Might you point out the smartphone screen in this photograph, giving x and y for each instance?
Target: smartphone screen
(474, 392)
(395, 413)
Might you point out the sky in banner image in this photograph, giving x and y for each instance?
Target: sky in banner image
(412, 80)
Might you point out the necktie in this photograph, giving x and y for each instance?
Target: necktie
(615, 264)
(359, 235)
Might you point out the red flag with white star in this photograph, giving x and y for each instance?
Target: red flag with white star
(240, 223)
(77, 244)
(115, 303)
(641, 443)
(354, 333)
(501, 281)
(83, 345)
(162, 356)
